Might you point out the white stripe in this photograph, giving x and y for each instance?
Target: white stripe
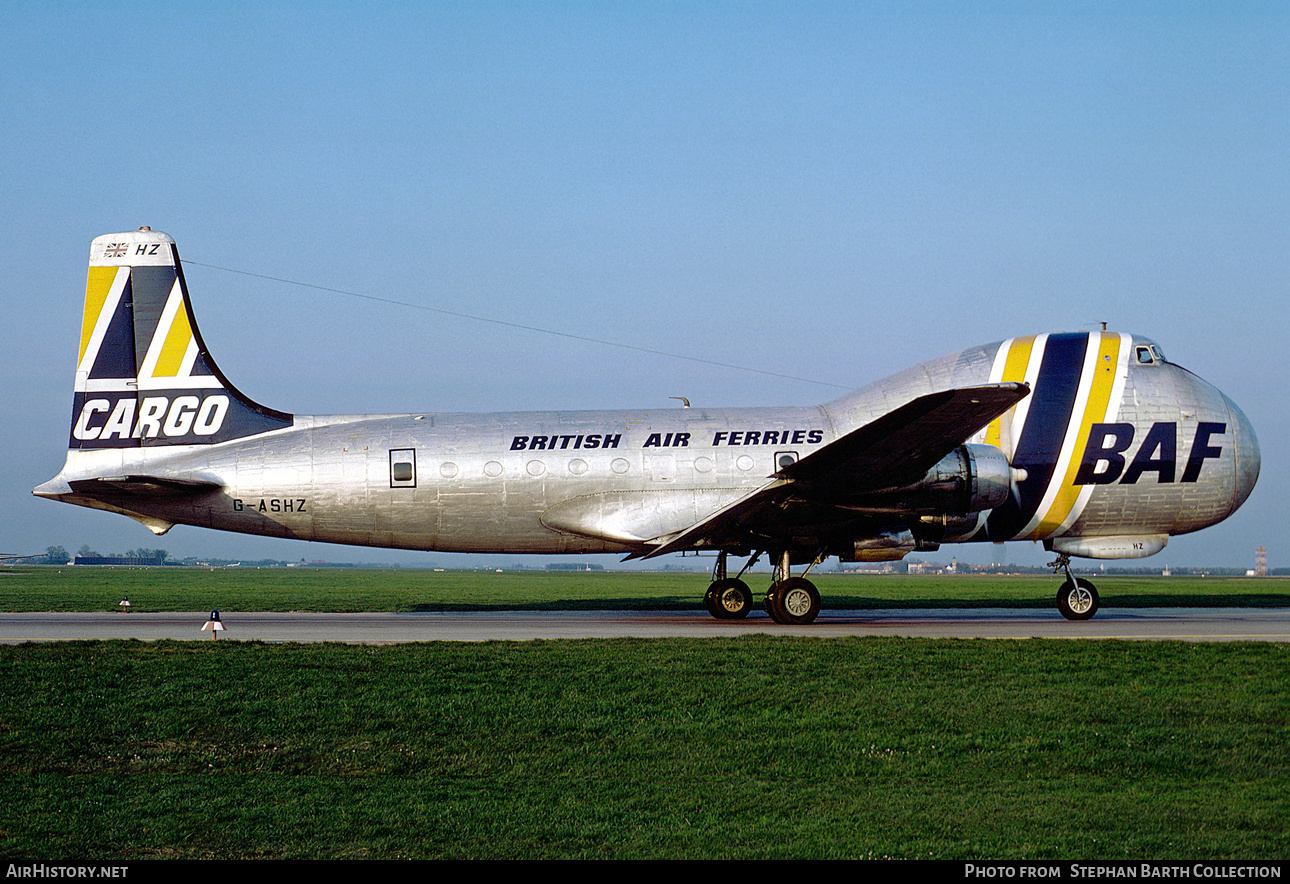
(1000, 361)
(130, 385)
(1022, 409)
(197, 382)
(1088, 372)
(174, 303)
(190, 357)
(106, 385)
(1112, 411)
(110, 304)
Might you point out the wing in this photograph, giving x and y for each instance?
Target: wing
(896, 449)
(904, 444)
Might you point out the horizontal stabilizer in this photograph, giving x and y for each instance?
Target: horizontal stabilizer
(141, 486)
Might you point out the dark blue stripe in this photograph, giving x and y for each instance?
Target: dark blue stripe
(115, 358)
(1051, 405)
(151, 287)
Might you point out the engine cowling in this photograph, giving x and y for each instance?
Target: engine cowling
(886, 546)
(969, 479)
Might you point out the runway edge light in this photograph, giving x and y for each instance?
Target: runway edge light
(214, 624)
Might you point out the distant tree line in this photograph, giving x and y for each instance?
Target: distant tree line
(57, 555)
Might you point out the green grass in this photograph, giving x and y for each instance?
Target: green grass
(755, 747)
(332, 589)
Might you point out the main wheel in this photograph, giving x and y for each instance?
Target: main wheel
(1077, 599)
(729, 599)
(793, 602)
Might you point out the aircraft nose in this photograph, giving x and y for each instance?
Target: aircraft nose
(1248, 459)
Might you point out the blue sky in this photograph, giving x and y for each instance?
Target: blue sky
(830, 192)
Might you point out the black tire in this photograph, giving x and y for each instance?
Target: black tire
(710, 600)
(729, 599)
(793, 602)
(1077, 599)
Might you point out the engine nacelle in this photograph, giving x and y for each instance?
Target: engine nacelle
(888, 546)
(969, 479)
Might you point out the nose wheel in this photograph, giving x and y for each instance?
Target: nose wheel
(1077, 599)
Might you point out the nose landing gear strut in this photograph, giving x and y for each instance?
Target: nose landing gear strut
(1077, 599)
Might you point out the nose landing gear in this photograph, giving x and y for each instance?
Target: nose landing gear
(1077, 599)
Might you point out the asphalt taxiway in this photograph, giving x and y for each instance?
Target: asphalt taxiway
(1176, 624)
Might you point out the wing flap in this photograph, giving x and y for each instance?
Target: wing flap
(717, 521)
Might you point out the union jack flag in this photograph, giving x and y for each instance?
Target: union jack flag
(116, 249)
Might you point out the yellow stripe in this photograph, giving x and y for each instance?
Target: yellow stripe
(97, 286)
(1099, 398)
(178, 337)
(1014, 370)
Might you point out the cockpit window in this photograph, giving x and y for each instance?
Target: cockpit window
(1149, 354)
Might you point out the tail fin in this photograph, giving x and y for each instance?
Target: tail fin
(144, 376)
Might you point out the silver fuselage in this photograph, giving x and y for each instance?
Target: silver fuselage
(1173, 455)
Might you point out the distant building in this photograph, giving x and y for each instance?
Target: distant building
(119, 560)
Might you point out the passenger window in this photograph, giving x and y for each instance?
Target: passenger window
(785, 459)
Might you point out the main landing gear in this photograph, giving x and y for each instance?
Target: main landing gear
(790, 600)
(1077, 599)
